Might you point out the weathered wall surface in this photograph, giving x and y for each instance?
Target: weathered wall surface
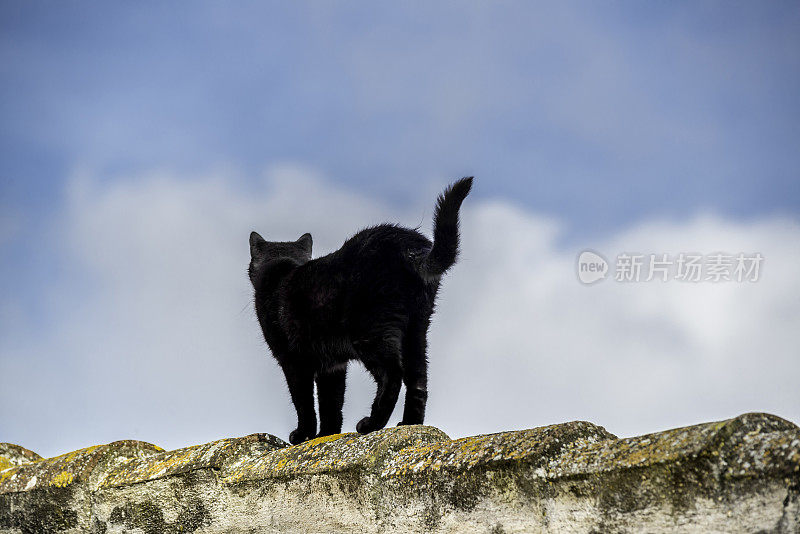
(739, 475)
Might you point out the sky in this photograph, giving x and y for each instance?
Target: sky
(140, 143)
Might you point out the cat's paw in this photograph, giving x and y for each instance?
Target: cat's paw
(299, 436)
(405, 423)
(365, 426)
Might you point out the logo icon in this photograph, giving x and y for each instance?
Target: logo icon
(592, 267)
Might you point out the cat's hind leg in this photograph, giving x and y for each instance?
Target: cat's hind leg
(330, 394)
(382, 360)
(415, 372)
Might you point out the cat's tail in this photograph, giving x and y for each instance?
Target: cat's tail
(445, 230)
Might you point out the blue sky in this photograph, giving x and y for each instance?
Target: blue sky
(605, 113)
(600, 118)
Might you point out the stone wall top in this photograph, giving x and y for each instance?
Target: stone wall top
(574, 475)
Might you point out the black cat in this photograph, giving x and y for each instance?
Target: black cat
(371, 301)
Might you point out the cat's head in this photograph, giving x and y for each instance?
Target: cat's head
(263, 252)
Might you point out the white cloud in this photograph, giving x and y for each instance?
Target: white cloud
(636, 357)
(156, 338)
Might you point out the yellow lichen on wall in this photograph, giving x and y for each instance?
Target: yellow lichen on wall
(63, 479)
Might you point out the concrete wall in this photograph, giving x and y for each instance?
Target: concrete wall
(739, 475)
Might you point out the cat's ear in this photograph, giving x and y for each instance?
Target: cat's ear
(306, 242)
(258, 246)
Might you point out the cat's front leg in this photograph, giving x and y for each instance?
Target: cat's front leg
(330, 393)
(301, 388)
